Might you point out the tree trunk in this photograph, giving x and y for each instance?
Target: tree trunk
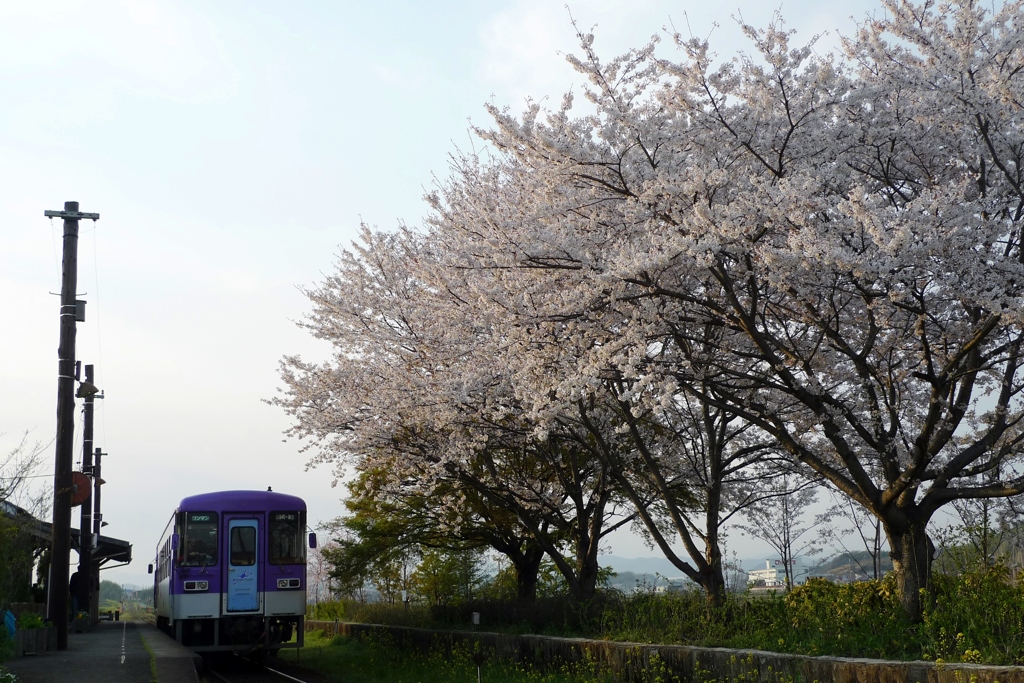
(912, 552)
(712, 581)
(587, 577)
(712, 577)
(527, 568)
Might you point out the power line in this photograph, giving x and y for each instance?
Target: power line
(99, 335)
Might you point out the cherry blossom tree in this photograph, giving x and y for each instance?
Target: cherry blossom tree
(686, 468)
(682, 465)
(318, 570)
(850, 229)
(694, 466)
(823, 253)
(416, 393)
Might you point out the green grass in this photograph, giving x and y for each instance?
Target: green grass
(376, 661)
(152, 661)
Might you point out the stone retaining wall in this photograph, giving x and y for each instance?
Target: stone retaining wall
(694, 664)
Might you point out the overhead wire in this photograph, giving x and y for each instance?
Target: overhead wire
(56, 261)
(99, 336)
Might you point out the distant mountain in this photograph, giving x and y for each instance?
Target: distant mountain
(640, 565)
(659, 565)
(654, 570)
(133, 587)
(854, 565)
(628, 582)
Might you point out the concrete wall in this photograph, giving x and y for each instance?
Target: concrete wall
(693, 664)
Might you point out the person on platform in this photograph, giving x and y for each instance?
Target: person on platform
(73, 587)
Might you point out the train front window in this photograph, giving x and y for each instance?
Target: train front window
(198, 543)
(243, 546)
(287, 532)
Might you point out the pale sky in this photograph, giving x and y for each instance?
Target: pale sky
(230, 148)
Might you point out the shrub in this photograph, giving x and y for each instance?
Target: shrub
(861, 619)
(6, 649)
(683, 617)
(554, 615)
(30, 620)
(326, 611)
(976, 617)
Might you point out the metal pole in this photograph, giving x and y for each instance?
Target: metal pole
(97, 515)
(85, 525)
(97, 524)
(60, 552)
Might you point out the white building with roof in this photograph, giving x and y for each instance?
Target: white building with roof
(774, 574)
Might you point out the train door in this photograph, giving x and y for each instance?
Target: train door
(243, 566)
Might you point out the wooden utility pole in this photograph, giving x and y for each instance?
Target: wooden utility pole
(60, 553)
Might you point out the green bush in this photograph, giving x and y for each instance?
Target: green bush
(30, 620)
(395, 614)
(677, 617)
(16, 560)
(554, 615)
(6, 648)
(862, 619)
(326, 611)
(975, 617)
(375, 658)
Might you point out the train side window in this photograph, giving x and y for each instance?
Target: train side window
(165, 560)
(243, 546)
(287, 537)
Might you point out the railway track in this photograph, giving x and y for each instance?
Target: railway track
(242, 670)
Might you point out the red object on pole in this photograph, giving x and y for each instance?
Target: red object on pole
(81, 487)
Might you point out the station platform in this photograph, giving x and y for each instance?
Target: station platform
(112, 652)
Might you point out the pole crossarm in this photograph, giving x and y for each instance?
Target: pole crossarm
(72, 215)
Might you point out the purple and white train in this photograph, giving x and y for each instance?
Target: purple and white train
(230, 572)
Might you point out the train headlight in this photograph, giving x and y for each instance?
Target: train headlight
(197, 585)
(288, 583)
